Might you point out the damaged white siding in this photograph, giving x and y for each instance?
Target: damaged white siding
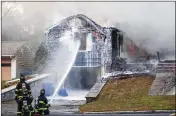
(13, 68)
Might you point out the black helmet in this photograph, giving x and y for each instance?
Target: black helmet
(22, 77)
(42, 92)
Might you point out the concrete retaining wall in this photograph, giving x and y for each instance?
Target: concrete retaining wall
(163, 84)
(95, 90)
(35, 83)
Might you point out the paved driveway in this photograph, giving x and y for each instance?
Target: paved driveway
(9, 108)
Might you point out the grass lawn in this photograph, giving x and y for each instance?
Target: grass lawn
(129, 94)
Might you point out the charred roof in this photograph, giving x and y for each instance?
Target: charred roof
(86, 23)
(68, 22)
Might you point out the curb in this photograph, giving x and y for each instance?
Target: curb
(127, 112)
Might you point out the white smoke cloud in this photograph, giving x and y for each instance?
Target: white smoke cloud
(149, 24)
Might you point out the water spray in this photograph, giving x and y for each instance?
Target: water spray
(68, 69)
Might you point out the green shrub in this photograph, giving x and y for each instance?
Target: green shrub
(3, 84)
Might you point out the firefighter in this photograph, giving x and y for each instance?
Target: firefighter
(21, 88)
(27, 109)
(42, 104)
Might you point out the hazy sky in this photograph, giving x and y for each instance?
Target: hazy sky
(151, 24)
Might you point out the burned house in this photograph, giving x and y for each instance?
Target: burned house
(99, 51)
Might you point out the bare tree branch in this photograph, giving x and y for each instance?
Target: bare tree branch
(8, 10)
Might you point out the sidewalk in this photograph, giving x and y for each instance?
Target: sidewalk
(124, 112)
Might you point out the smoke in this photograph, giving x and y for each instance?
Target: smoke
(149, 24)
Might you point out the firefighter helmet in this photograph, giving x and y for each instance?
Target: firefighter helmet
(22, 77)
(42, 92)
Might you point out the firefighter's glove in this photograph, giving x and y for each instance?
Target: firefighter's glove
(48, 105)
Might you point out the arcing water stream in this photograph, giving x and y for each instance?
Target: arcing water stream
(75, 44)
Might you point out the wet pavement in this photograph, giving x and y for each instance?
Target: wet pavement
(59, 105)
(9, 108)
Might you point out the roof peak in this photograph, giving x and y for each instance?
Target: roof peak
(76, 16)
